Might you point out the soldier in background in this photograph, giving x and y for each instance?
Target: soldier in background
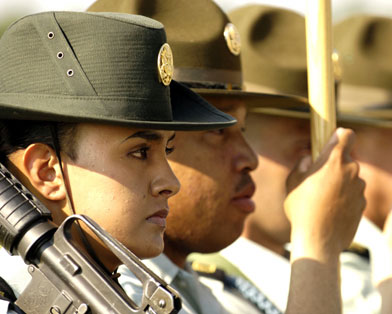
(214, 169)
(279, 140)
(365, 99)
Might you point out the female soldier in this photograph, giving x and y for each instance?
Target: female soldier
(87, 121)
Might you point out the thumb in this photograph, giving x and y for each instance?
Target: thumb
(342, 141)
(346, 142)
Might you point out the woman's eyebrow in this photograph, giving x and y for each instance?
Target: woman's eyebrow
(147, 135)
(172, 137)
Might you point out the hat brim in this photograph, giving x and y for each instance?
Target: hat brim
(257, 100)
(365, 105)
(297, 113)
(362, 98)
(190, 111)
(345, 119)
(342, 118)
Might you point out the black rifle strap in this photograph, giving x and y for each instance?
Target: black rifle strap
(7, 294)
(86, 243)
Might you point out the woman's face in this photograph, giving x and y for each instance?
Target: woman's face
(121, 179)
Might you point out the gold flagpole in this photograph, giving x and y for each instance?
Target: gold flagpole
(320, 73)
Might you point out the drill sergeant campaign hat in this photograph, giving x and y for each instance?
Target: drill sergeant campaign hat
(206, 44)
(365, 94)
(97, 67)
(274, 55)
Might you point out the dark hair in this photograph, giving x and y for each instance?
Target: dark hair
(19, 134)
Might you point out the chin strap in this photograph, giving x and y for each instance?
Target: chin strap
(86, 243)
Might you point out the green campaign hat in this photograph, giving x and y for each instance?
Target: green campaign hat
(107, 68)
(274, 55)
(365, 93)
(206, 44)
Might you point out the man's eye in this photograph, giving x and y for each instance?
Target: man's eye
(140, 153)
(169, 150)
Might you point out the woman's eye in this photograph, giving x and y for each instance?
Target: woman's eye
(217, 132)
(169, 150)
(140, 153)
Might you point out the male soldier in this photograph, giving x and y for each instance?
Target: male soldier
(214, 171)
(267, 135)
(279, 137)
(280, 141)
(95, 90)
(365, 95)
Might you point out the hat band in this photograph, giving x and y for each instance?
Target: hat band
(224, 79)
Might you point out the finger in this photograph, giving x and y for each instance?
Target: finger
(346, 140)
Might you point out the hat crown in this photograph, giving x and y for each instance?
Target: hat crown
(68, 57)
(274, 44)
(195, 31)
(115, 53)
(365, 52)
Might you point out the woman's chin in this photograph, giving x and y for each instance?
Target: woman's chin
(150, 251)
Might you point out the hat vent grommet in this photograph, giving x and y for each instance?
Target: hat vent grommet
(50, 35)
(70, 72)
(60, 55)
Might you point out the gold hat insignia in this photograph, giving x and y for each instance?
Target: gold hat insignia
(165, 64)
(233, 39)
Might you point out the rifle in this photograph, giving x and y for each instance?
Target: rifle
(64, 279)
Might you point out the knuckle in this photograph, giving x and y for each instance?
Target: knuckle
(362, 185)
(355, 168)
(352, 169)
(364, 203)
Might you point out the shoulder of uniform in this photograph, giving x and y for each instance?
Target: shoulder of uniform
(212, 271)
(359, 250)
(209, 270)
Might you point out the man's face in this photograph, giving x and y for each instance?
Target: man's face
(279, 143)
(216, 188)
(122, 180)
(373, 151)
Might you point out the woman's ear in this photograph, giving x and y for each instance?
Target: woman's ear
(42, 169)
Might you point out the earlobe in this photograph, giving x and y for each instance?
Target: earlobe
(43, 171)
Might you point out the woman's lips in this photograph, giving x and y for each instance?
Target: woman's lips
(159, 218)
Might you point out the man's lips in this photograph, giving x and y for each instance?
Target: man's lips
(159, 217)
(243, 199)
